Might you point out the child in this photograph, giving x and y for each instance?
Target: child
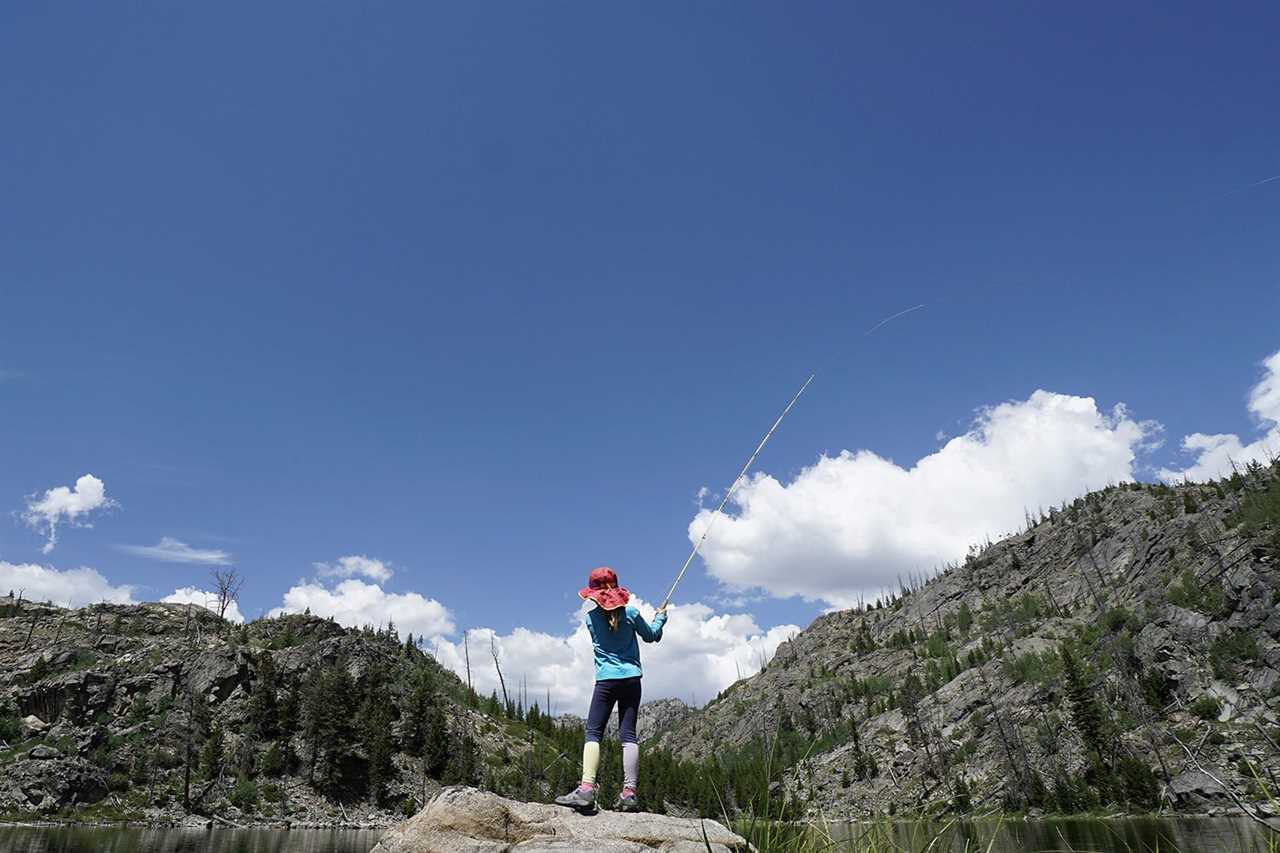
(613, 627)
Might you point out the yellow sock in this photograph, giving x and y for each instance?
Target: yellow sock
(590, 761)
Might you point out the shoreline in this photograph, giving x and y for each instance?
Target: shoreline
(207, 824)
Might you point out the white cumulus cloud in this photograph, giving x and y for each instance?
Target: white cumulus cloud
(71, 505)
(354, 603)
(1214, 454)
(170, 550)
(356, 564)
(856, 522)
(207, 600)
(701, 653)
(74, 587)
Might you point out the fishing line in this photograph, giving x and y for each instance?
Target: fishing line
(733, 487)
(894, 317)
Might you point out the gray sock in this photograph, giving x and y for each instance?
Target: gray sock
(630, 764)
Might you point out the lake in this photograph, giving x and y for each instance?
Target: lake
(1078, 835)
(96, 839)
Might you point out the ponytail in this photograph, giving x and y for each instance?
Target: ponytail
(614, 619)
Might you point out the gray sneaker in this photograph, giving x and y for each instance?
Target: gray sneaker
(627, 801)
(580, 797)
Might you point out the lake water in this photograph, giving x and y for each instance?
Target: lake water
(62, 839)
(1071, 835)
(1067, 835)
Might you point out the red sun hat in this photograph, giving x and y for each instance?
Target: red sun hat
(602, 588)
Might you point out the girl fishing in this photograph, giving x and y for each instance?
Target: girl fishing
(613, 626)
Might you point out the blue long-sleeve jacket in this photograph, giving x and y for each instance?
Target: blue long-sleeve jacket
(617, 654)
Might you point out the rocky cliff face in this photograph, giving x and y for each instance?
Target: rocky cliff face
(1167, 604)
(1122, 650)
(161, 711)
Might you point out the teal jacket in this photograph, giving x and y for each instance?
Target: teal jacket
(617, 653)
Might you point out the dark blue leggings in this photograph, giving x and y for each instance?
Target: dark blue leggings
(624, 691)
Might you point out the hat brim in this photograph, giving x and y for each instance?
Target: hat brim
(607, 599)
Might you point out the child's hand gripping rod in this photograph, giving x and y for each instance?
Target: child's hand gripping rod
(728, 494)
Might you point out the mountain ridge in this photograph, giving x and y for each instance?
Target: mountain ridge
(1076, 649)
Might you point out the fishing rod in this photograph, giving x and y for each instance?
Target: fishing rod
(733, 487)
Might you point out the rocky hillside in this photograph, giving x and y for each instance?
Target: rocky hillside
(165, 712)
(1124, 650)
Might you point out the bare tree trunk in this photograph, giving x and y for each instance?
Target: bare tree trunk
(58, 634)
(189, 735)
(493, 650)
(226, 587)
(466, 651)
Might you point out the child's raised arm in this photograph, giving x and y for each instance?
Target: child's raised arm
(648, 633)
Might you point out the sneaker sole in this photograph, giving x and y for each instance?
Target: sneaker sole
(578, 807)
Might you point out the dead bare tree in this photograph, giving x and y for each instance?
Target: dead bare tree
(466, 651)
(35, 618)
(226, 588)
(493, 650)
(61, 620)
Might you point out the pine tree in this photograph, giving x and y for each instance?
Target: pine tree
(289, 710)
(437, 751)
(960, 800)
(263, 709)
(1085, 713)
(273, 763)
(327, 728)
(376, 714)
(211, 753)
(463, 766)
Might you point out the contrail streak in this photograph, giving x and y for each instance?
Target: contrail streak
(1251, 186)
(900, 313)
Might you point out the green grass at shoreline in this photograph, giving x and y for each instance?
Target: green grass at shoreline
(1006, 834)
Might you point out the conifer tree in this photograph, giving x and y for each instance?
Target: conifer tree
(211, 753)
(263, 707)
(376, 714)
(1085, 713)
(327, 728)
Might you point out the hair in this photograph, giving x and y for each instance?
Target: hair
(614, 619)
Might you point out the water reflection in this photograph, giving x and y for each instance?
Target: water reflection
(1065, 835)
(187, 840)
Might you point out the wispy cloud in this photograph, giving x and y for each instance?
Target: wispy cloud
(8, 374)
(170, 550)
(61, 503)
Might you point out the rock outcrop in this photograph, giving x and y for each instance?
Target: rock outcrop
(465, 820)
(47, 782)
(1170, 600)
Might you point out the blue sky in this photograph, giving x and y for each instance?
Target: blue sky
(487, 293)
